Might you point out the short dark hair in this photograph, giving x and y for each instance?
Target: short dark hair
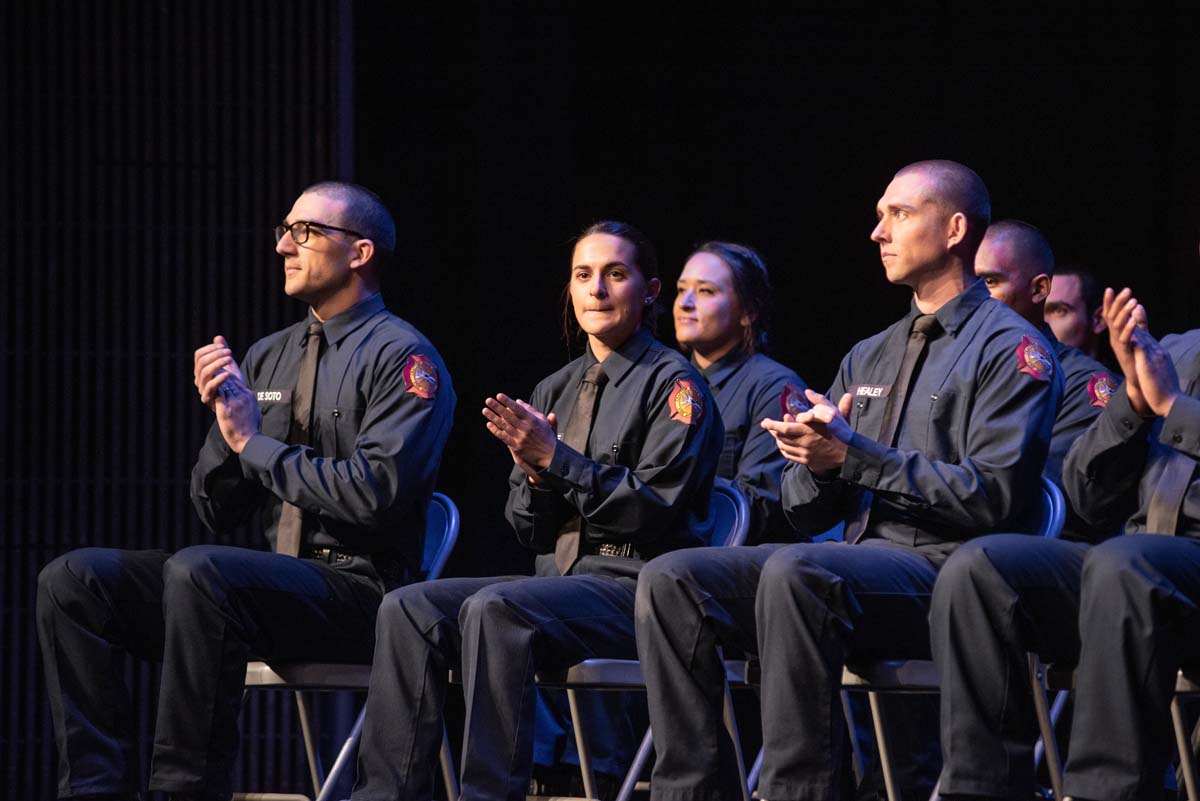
(958, 189)
(752, 285)
(1089, 284)
(365, 213)
(645, 256)
(1030, 247)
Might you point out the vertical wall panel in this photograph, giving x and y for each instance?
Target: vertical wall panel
(148, 150)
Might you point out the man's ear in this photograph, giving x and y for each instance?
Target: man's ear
(364, 250)
(956, 229)
(1098, 324)
(1039, 288)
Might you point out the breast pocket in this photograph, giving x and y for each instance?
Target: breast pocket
(944, 430)
(276, 419)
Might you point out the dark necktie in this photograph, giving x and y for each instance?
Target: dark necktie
(1162, 516)
(575, 436)
(924, 328)
(290, 530)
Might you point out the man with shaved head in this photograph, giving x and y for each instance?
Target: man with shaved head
(989, 727)
(327, 437)
(1017, 265)
(935, 431)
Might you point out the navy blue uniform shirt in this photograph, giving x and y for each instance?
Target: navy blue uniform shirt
(1114, 467)
(651, 458)
(748, 388)
(972, 438)
(382, 410)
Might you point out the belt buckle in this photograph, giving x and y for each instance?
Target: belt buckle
(612, 549)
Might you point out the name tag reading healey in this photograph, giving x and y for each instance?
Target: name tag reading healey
(872, 390)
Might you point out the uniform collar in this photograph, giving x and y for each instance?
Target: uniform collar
(954, 314)
(622, 359)
(342, 325)
(719, 371)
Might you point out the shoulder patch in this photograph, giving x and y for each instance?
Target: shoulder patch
(1101, 388)
(1033, 358)
(686, 403)
(421, 376)
(793, 401)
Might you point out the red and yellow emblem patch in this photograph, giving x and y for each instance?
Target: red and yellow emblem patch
(1101, 388)
(686, 404)
(1034, 359)
(793, 401)
(421, 376)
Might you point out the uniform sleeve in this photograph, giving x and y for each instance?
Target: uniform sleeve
(1009, 424)
(536, 512)
(1104, 465)
(760, 468)
(221, 494)
(640, 504)
(399, 439)
(1181, 428)
(812, 504)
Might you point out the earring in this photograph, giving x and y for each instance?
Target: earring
(649, 301)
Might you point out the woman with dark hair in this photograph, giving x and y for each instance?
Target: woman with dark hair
(614, 457)
(722, 312)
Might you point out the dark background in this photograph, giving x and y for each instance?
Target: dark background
(148, 148)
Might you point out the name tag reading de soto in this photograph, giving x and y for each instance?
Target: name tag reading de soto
(274, 396)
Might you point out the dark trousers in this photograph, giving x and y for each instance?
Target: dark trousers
(689, 603)
(202, 612)
(997, 598)
(500, 631)
(820, 605)
(1138, 625)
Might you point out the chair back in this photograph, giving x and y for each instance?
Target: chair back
(1053, 512)
(441, 532)
(730, 514)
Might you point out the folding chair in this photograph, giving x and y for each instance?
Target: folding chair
(916, 675)
(732, 524)
(1049, 679)
(441, 534)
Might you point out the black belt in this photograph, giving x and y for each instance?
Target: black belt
(611, 549)
(333, 556)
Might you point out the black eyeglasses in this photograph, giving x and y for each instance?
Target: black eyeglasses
(299, 230)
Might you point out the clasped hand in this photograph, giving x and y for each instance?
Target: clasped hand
(1151, 383)
(529, 435)
(817, 437)
(222, 388)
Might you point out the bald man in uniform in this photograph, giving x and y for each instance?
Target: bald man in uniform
(935, 431)
(1017, 265)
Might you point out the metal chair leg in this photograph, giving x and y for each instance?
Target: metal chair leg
(1037, 680)
(630, 785)
(732, 728)
(755, 773)
(315, 770)
(885, 755)
(856, 754)
(345, 758)
(585, 759)
(1187, 763)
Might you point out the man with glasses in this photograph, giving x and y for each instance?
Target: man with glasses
(329, 433)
